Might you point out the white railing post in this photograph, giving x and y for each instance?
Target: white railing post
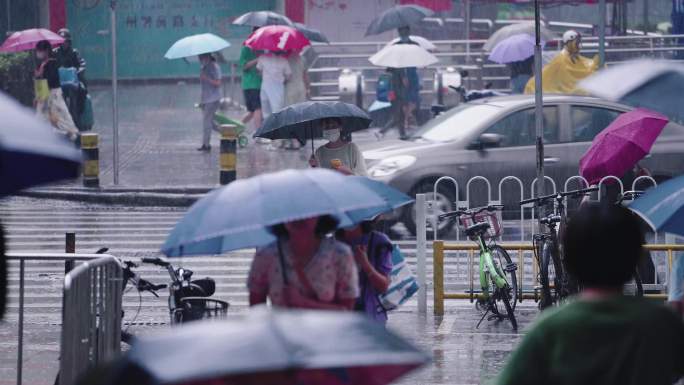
(421, 240)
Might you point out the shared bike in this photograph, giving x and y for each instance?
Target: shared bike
(497, 271)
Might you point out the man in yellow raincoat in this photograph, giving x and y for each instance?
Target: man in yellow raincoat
(563, 73)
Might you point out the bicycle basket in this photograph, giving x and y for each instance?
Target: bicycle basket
(196, 308)
(493, 218)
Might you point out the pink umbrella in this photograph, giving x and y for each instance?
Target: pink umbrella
(27, 39)
(622, 144)
(277, 38)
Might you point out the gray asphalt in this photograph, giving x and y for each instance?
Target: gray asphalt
(463, 354)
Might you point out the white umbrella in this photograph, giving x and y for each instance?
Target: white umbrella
(403, 56)
(516, 29)
(421, 41)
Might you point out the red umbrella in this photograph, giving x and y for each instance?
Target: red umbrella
(277, 38)
(27, 39)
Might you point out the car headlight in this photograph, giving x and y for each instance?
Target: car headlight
(389, 166)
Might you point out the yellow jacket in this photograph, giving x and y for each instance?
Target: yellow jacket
(561, 75)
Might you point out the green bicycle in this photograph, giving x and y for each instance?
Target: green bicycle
(497, 271)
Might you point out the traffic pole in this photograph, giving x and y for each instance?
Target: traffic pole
(539, 108)
(228, 157)
(91, 159)
(115, 95)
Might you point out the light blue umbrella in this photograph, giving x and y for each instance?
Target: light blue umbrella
(196, 45)
(513, 49)
(663, 207)
(393, 199)
(237, 216)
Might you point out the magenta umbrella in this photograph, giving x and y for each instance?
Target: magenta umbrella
(622, 144)
(26, 40)
(277, 38)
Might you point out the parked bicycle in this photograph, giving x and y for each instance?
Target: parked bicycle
(547, 249)
(497, 271)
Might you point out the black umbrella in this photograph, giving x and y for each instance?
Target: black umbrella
(312, 34)
(262, 18)
(301, 120)
(397, 17)
(31, 153)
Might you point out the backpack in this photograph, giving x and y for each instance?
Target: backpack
(68, 77)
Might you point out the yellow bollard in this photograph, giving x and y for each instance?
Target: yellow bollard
(91, 159)
(228, 157)
(438, 276)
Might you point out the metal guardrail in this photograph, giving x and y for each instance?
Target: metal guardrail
(22, 258)
(440, 247)
(91, 317)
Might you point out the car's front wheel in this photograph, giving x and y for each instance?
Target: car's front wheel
(440, 203)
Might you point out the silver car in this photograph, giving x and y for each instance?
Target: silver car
(495, 137)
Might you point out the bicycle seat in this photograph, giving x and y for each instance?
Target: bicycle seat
(478, 228)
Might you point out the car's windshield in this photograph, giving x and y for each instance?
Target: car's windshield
(457, 123)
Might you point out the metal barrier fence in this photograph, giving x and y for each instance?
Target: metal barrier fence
(91, 317)
(22, 258)
(524, 292)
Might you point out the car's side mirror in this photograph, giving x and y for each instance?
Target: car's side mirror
(485, 141)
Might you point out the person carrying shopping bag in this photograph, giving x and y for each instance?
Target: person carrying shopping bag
(49, 101)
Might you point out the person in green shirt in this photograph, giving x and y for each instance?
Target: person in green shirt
(251, 85)
(602, 336)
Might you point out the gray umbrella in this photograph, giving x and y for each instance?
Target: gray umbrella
(517, 29)
(279, 347)
(653, 84)
(312, 34)
(262, 18)
(396, 17)
(300, 120)
(31, 153)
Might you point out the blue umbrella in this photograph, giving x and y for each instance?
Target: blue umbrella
(196, 45)
(31, 153)
(237, 216)
(663, 207)
(393, 199)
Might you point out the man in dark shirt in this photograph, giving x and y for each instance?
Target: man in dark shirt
(68, 57)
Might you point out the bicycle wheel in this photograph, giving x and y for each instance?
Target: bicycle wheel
(507, 269)
(549, 257)
(505, 298)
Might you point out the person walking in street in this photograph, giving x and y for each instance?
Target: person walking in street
(304, 268)
(275, 72)
(521, 72)
(68, 58)
(338, 154)
(251, 85)
(296, 88)
(49, 100)
(373, 255)
(398, 97)
(412, 82)
(602, 337)
(210, 81)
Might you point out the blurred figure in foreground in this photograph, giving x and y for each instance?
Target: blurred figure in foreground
(338, 154)
(49, 100)
(304, 268)
(373, 255)
(603, 337)
(210, 80)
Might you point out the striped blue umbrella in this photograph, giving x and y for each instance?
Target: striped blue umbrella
(238, 216)
(662, 207)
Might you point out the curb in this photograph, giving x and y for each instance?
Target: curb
(128, 198)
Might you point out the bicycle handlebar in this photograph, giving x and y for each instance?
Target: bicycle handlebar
(474, 211)
(558, 196)
(155, 261)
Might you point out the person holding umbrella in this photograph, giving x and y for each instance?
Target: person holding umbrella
(304, 268)
(251, 84)
(49, 100)
(210, 80)
(338, 154)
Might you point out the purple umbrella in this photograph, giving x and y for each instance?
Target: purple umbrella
(622, 144)
(512, 49)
